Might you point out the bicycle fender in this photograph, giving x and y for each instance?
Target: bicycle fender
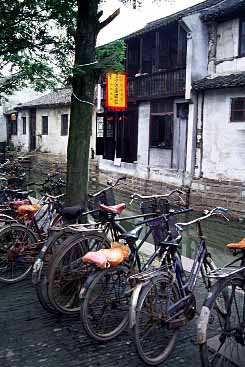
(134, 303)
(87, 284)
(202, 325)
(202, 322)
(140, 288)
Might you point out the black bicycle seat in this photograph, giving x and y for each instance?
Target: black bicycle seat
(132, 235)
(71, 212)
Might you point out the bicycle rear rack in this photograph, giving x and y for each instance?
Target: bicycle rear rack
(225, 272)
(149, 273)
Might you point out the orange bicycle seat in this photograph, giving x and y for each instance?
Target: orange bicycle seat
(28, 209)
(237, 245)
(107, 257)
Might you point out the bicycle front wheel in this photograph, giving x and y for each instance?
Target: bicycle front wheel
(104, 310)
(153, 338)
(225, 343)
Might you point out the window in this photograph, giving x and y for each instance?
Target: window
(64, 124)
(44, 125)
(162, 132)
(24, 125)
(242, 38)
(238, 109)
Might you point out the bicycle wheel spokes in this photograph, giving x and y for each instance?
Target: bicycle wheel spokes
(153, 337)
(68, 273)
(16, 247)
(105, 309)
(226, 330)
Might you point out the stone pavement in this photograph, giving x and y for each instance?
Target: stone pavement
(30, 337)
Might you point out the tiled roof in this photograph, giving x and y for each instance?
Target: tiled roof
(173, 17)
(226, 8)
(224, 81)
(58, 97)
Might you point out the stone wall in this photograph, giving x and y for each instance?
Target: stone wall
(204, 193)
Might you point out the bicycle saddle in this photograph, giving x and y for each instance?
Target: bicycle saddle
(237, 245)
(116, 209)
(71, 212)
(107, 257)
(28, 209)
(132, 235)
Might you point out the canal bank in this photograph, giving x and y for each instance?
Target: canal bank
(200, 193)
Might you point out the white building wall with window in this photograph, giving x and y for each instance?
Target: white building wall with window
(223, 146)
(230, 49)
(53, 141)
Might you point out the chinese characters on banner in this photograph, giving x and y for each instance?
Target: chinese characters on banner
(116, 91)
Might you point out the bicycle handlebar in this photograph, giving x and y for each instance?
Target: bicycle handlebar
(136, 196)
(216, 211)
(108, 188)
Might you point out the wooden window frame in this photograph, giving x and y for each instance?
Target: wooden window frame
(241, 54)
(44, 129)
(232, 119)
(24, 125)
(64, 131)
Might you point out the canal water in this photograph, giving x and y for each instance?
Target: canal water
(217, 231)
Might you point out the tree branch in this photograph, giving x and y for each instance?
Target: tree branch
(109, 19)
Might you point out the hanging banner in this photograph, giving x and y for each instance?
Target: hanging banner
(116, 91)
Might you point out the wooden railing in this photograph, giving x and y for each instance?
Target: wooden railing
(159, 84)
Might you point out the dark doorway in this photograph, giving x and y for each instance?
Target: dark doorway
(117, 135)
(32, 129)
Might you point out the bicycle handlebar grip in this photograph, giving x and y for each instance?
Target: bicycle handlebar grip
(225, 210)
(122, 178)
(180, 192)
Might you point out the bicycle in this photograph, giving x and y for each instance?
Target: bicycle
(106, 293)
(23, 237)
(163, 300)
(221, 330)
(66, 243)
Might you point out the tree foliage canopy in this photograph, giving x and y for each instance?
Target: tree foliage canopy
(37, 43)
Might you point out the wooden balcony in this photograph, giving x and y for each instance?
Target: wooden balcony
(161, 84)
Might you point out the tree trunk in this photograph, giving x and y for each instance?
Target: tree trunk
(81, 113)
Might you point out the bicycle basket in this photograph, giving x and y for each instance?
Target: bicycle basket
(159, 206)
(106, 197)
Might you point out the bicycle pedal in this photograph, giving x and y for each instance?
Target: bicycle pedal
(177, 323)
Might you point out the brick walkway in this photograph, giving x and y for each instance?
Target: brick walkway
(30, 337)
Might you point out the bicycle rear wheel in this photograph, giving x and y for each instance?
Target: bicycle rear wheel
(42, 267)
(154, 339)
(225, 344)
(104, 309)
(17, 243)
(68, 273)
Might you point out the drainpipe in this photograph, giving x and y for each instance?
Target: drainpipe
(201, 135)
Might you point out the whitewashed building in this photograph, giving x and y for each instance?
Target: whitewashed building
(185, 121)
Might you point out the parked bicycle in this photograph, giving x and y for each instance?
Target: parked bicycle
(163, 300)
(221, 325)
(106, 293)
(69, 244)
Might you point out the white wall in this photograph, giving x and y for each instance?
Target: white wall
(143, 132)
(3, 126)
(197, 50)
(223, 141)
(53, 142)
(227, 49)
(21, 139)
